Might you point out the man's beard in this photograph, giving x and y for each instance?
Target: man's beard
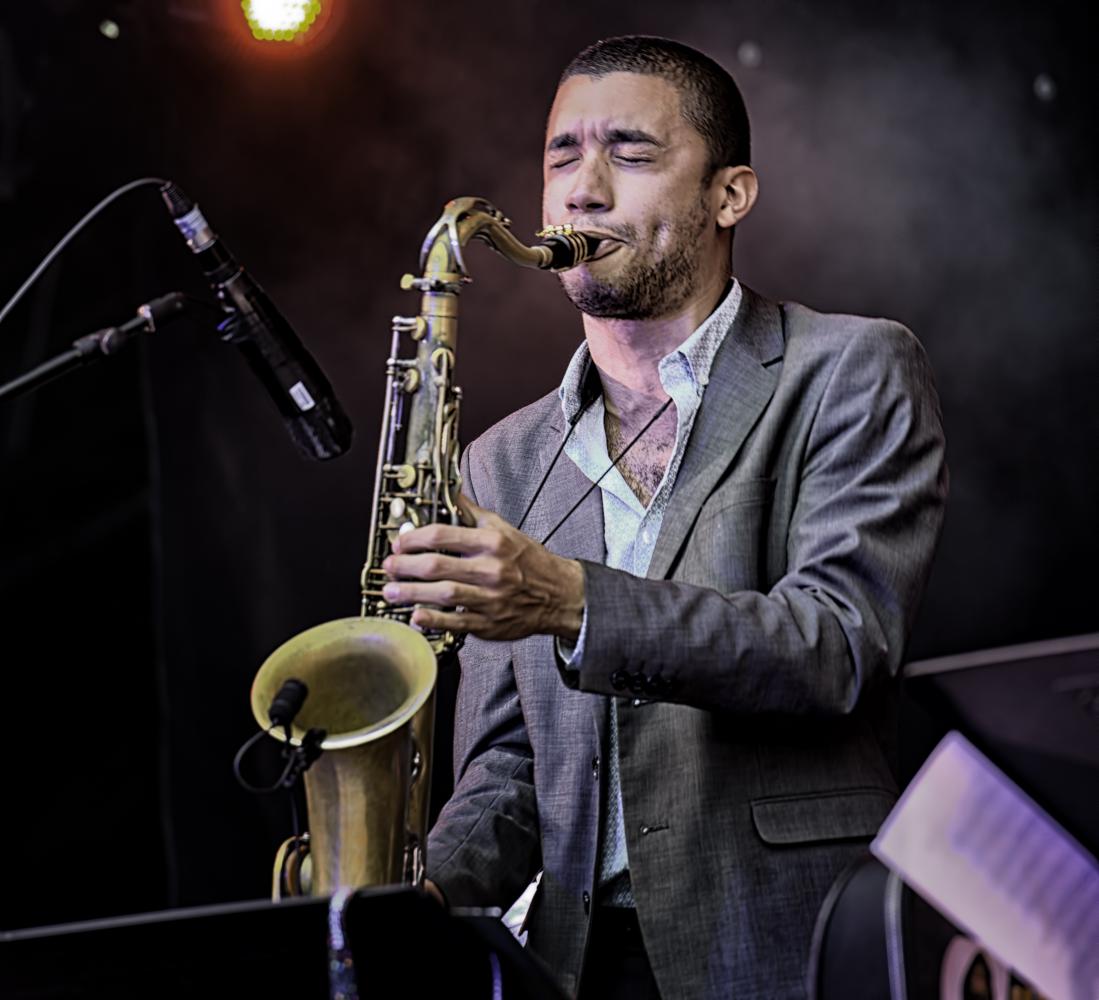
(646, 287)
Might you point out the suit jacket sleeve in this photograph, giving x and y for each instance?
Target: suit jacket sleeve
(870, 488)
(484, 848)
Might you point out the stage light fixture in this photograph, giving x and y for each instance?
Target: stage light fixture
(280, 20)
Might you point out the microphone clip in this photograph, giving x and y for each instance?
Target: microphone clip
(301, 758)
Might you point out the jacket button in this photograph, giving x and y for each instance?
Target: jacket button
(619, 680)
(587, 903)
(595, 767)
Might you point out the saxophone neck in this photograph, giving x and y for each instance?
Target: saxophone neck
(466, 219)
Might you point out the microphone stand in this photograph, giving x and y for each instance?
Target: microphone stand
(103, 343)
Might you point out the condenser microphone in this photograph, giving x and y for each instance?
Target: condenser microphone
(287, 702)
(294, 380)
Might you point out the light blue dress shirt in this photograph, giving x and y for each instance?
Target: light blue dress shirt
(630, 528)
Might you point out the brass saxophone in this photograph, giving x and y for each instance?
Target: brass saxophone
(371, 679)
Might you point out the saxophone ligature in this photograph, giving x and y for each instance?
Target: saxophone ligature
(371, 678)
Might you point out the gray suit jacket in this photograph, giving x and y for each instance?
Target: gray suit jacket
(755, 663)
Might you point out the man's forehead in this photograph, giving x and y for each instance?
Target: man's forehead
(600, 105)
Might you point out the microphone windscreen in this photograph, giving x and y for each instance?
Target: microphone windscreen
(288, 702)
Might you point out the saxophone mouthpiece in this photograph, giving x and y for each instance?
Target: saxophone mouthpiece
(567, 247)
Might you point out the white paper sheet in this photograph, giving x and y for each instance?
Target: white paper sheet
(979, 850)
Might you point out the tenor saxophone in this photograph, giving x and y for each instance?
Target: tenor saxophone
(371, 678)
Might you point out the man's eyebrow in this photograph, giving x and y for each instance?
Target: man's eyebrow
(563, 141)
(567, 140)
(617, 135)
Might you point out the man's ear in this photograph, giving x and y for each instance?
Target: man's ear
(736, 189)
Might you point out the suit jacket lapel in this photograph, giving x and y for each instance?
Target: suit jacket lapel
(742, 381)
(581, 536)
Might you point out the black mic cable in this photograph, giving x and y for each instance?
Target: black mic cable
(71, 234)
(588, 397)
(622, 454)
(589, 393)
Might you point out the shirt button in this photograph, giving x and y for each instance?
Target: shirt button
(595, 767)
(587, 903)
(646, 536)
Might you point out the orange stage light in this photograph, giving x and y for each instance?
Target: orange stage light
(280, 20)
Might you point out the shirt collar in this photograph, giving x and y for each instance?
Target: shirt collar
(698, 351)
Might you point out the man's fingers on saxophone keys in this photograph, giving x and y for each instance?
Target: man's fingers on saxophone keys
(480, 517)
(442, 593)
(426, 566)
(485, 626)
(489, 571)
(442, 537)
(430, 618)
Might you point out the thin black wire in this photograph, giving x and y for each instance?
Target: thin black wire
(617, 459)
(68, 237)
(279, 783)
(295, 820)
(560, 448)
(290, 781)
(287, 781)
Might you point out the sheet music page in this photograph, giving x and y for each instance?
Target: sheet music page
(975, 846)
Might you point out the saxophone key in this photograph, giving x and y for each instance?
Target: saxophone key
(405, 475)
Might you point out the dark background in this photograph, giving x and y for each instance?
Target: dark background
(159, 534)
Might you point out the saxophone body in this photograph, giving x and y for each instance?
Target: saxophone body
(371, 678)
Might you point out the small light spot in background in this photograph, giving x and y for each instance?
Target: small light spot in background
(749, 54)
(1044, 87)
(109, 29)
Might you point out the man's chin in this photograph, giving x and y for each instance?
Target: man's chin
(601, 305)
(600, 299)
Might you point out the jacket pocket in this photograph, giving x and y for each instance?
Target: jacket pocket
(839, 815)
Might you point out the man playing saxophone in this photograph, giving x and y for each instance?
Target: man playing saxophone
(678, 706)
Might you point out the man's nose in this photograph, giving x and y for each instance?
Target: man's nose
(591, 188)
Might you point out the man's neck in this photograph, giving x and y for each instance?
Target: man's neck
(628, 352)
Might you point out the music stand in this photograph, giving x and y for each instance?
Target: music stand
(403, 943)
(1034, 711)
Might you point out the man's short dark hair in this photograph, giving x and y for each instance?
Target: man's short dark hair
(709, 98)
